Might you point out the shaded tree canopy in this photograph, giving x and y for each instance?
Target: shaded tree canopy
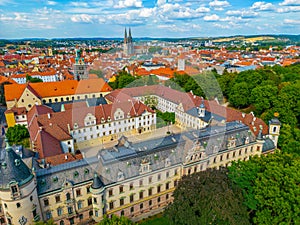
(208, 197)
(115, 220)
(271, 187)
(33, 79)
(17, 133)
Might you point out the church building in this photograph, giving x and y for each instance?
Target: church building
(128, 44)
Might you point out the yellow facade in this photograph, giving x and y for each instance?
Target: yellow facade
(10, 119)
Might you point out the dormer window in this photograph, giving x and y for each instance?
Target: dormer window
(247, 140)
(75, 125)
(119, 114)
(231, 142)
(89, 120)
(167, 162)
(17, 162)
(108, 119)
(120, 176)
(145, 166)
(102, 120)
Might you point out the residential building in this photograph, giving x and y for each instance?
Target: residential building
(30, 94)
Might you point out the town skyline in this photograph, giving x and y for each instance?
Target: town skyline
(155, 19)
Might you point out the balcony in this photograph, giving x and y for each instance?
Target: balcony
(70, 201)
(36, 218)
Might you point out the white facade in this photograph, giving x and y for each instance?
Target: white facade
(120, 124)
(48, 78)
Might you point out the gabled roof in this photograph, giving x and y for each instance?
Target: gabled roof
(190, 101)
(13, 91)
(59, 88)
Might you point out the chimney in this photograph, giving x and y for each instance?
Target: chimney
(69, 129)
(66, 157)
(49, 115)
(243, 115)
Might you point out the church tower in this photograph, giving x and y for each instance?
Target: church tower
(274, 129)
(201, 110)
(128, 43)
(18, 191)
(181, 63)
(80, 67)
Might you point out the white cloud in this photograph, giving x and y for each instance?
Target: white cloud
(219, 5)
(293, 22)
(202, 10)
(129, 4)
(6, 18)
(242, 13)
(161, 2)
(146, 12)
(51, 3)
(290, 2)
(222, 26)
(4, 2)
(288, 9)
(79, 4)
(82, 18)
(20, 17)
(169, 12)
(130, 17)
(262, 6)
(213, 17)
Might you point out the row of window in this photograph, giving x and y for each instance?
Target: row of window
(78, 193)
(141, 183)
(142, 194)
(62, 99)
(141, 206)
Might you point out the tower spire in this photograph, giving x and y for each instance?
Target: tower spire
(125, 36)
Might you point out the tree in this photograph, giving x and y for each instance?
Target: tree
(208, 197)
(151, 101)
(17, 134)
(99, 73)
(271, 187)
(49, 222)
(115, 220)
(239, 95)
(123, 79)
(33, 79)
(262, 97)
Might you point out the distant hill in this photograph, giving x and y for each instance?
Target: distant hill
(290, 39)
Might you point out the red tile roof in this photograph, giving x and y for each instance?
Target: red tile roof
(60, 88)
(189, 101)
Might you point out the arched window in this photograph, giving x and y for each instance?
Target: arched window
(62, 222)
(274, 129)
(68, 196)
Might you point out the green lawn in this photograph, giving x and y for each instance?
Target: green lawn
(156, 220)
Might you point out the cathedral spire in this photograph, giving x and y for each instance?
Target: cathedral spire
(125, 36)
(129, 35)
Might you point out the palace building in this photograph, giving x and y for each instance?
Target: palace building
(133, 177)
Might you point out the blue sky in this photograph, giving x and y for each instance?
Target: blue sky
(147, 18)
